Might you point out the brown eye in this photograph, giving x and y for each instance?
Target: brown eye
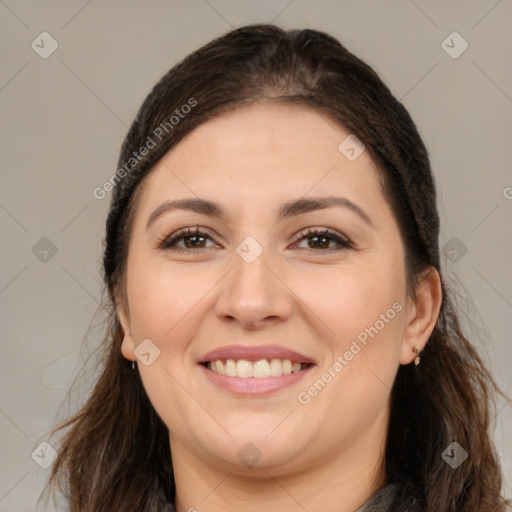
(320, 239)
(192, 239)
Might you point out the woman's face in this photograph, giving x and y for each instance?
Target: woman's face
(261, 289)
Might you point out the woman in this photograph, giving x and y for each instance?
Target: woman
(281, 336)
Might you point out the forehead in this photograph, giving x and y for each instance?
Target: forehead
(260, 154)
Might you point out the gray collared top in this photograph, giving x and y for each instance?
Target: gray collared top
(381, 501)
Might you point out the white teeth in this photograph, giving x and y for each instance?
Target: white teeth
(276, 368)
(220, 367)
(258, 369)
(261, 369)
(230, 368)
(243, 368)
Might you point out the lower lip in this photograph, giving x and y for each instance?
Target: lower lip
(253, 386)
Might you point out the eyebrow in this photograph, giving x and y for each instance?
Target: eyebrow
(289, 209)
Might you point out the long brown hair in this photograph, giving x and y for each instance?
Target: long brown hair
(115, 453)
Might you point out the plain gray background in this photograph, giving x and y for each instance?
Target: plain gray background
(65, 116)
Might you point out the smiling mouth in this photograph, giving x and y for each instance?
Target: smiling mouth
(263, 368)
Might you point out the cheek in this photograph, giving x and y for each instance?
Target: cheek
(362, 317)
(348, 299)
(364, 310)
(161, 296)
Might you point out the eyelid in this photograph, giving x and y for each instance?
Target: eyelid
(179, 234)
(168, 242)
(343, 241)
(314, 230)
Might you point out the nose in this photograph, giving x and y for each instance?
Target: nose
(254, 294)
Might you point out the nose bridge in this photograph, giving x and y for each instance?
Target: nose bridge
(251, 269)
(253, 292)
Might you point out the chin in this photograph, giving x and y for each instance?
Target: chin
(260, 447)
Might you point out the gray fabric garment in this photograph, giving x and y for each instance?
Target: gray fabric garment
(381, 501)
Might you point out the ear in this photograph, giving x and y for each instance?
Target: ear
(128, 344)
(422, 314)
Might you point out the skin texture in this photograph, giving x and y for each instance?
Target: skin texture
(326, 454)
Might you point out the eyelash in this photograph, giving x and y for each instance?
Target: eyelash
(168, 242)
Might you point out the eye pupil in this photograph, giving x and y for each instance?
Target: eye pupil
(189, 238)
(324, 244)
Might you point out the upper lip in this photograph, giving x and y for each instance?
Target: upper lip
(255, 353)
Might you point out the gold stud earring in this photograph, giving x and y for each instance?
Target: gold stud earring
(417, 358)
(133, 365)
